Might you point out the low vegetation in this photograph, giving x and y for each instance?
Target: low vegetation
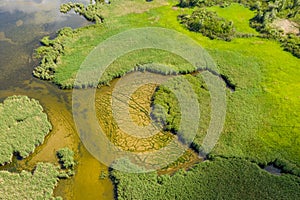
(26, 185)
(91, 12)
(213, 179)
(262, 120)
(266, 13)
(170, 116)
(209, 24)
(66, 159)
(23, 126)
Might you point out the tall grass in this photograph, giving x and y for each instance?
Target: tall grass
(217, 179)
(23, 126)
(27, 185)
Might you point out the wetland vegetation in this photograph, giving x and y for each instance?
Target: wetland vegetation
(262, 127)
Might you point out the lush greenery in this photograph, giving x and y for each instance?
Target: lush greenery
(209, 24)
(170, 116)
(66, 159)
(91, 12)
(266, 13)
(262, 122)
(216, 179)
(50, 53)
(27, 185)
(23, 126)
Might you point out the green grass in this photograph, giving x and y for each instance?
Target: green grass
(23, 126)
(217, 179)
(237, 13)
(27, 185)
(262, 121)
(171, 117)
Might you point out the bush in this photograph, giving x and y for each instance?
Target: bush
(66, 158)
(209, 24)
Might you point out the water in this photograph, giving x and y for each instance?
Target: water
(22, 24)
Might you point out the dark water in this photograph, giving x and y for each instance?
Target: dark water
(22, 24)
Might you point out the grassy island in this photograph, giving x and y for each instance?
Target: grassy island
(23, 126)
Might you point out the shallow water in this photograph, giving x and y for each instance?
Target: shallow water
(22, 24)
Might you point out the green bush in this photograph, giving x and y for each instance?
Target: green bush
(26, 185)
(209, 24)
(23, 126)
(66, 158)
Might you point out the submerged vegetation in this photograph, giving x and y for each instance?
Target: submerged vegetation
(23, 126)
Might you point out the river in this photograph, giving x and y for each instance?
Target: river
(22, 24)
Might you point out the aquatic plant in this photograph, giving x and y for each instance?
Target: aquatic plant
(38, 184)
(23, 126)
(213, 179)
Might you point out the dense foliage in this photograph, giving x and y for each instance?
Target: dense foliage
(209, 24)
(66, 159)
(216, 179)
(27, 185)
(23, 126)
(266, 12)
(91, 12)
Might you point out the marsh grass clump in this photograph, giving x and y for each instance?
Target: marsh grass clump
(23, 126)
(26, 185)
(91, 12)
(66, 159)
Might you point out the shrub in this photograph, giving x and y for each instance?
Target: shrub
(66, 158)
(209, 24)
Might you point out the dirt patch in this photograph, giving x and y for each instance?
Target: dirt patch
(287, 26)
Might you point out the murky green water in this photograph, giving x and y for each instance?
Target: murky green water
(22, 24)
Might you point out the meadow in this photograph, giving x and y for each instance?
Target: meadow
(262, 120)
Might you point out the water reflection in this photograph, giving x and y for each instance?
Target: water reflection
(22, 24)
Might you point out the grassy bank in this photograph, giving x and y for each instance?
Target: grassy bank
(26, 185)
(217, 179)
